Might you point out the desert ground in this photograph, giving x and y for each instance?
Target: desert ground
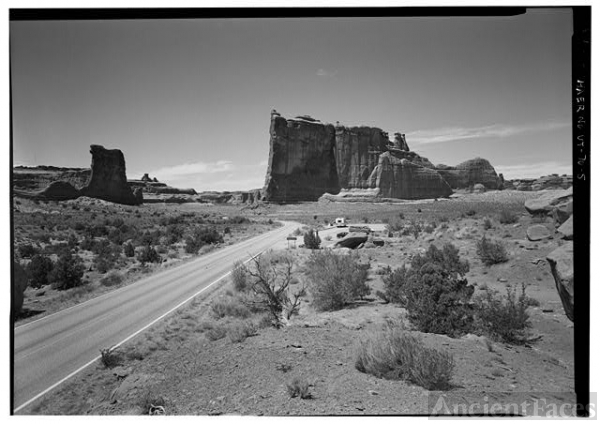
(219, 356)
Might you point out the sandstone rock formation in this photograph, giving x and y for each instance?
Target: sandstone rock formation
(548, 182)
(561, 265)
(106, 180)
(566, 229)
(309, 159)
(109, 180)
(469, 173)
(403, 179)
(547, 202)
(19, 284)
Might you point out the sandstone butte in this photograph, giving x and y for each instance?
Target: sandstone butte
(107, 181)
(308, 159)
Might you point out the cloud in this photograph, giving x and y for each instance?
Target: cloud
(327, 74)
(533, 170)
(445, 135)
(222, 175)
(192, 169)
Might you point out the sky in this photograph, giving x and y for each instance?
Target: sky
(189, 101)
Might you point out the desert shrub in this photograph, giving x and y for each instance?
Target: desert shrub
(129, 250)
(110, 357)
(239, 220)
(395, 354)
(336, 280)
(312, 240)
(487, 224)
(67, 272)
(105, 261)
(152, 404)
(215, 332)
(341, 235)
(39, 270)
(503, 319)
(429, 228)
(238, 331)
(200, 237)
(471, 212)
(270, 277)
(27, 250)
(239, 276)
(434, 291)
(298, 387)
(229, 306)
(491, 252)
(507, 217)
(98, 230)
(148, 254)
(111, 279)
(174, 233)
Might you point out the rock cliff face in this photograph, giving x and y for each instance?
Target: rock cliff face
(301, 160)
(308, 159)
(109, 180)
(548, 182)
(469, 173)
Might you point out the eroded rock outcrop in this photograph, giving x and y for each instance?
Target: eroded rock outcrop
(469, 173)
(548, 182)
(108, 180)
(402, 179)
(561, 265)
(309, 159)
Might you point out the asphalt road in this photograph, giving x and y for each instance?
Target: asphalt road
(54, 348)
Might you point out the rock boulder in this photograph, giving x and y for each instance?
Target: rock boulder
(566, 229)
(561, 265)
(537, 232)
(548, 201)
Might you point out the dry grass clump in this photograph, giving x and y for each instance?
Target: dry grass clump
(229, 306)
(508, 217)
(110, 357)
(395, 354)
(298, 387)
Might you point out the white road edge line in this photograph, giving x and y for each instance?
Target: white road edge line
(33, 399)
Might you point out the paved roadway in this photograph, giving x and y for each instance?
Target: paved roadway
(54, 348)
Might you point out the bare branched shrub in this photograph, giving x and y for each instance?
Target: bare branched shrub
(395, 354)
(271, 276)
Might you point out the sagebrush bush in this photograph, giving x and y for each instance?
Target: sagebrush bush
(27, 250)
(129, 250)
(111, 279)
(229, 306)
(110, 357)
(507, 217)
(487, 224)
(239, 276)
(504, 319)
(238, 331)
(335, 280)
(434, 291)
(491, 252)
(395, 354)
(312, 240)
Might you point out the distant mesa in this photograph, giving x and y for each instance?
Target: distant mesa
(309, 159)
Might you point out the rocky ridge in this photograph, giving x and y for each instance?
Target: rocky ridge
(309, 159)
